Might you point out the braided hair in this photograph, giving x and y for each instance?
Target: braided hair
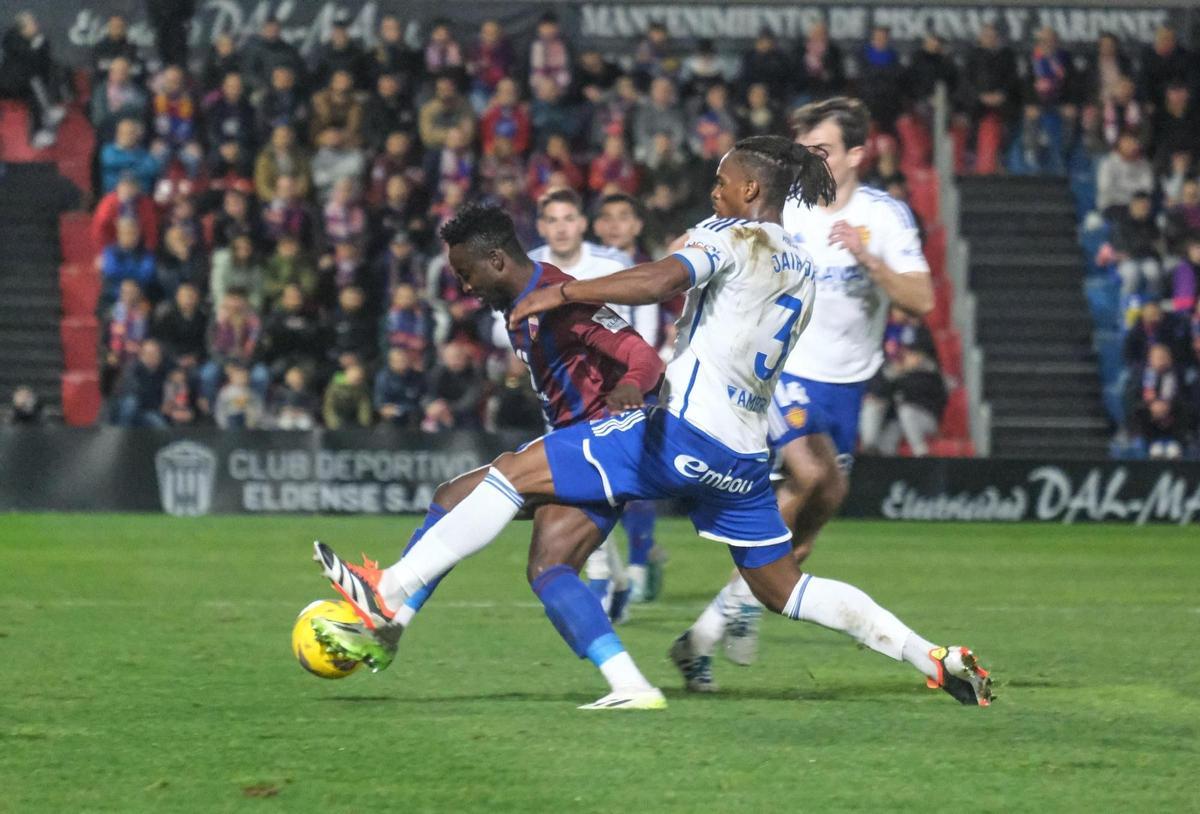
(787, 170)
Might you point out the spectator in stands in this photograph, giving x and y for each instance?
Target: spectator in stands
(337, 106)
(118, 97)
(181, 212)
(230, 116)
(445, 111)
(1164, 63)
(1183, 217)
(702, 69)
(392, 55)
(1159, 416)
(171, 20)
(501, 161)
(354, 332)
(28, 73)
(553, 167)
(398, 390)
(658, 114)
(229, 168)
(282, 156)
(1186, 276)
(293, 406)
(1135, 240)
(1109, 68)
(443, 54)
(126, 259)
(128, 326)
(182, 329)
(344, 219)
(238, 406)
(345, 266)
(235, 218)
(113, 45)
(387, 111)
(553, 112)
(490, 61)
(1121, 112)
(613, 113)
(223, 57)
(767, 64)
(125, 153)
(174, 122)
(288, 214)
(341, 53)
(139, 399)
(177, 398)
(929, 66)
(505, 117)
(269, 51)
(1173, 176)
(655, 55)
(237, 267)
(453, 164)
(408, 325)
(821, 70)
(593, 69)
(232, 337)
(291, 337)
(906, 397)
(453, 397)
(399, 261)
(282, 104)
(990, 93)
(758, 115)
(179, 261)
(714, 118)
(880, 77)
(125, 201)
(26, 410)
(1154, 328)
(549, 56)
(289, 266)
(347, 401)
(1176, 124)
(335, 159)
(515, 405)
(400, 156)
(614, 171)
(1121, 174)
(402, 210)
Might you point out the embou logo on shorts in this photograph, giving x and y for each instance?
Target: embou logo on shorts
(696, 469)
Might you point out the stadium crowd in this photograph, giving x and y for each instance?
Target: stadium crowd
(269, 218)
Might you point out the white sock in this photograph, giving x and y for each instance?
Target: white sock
(466, 529)
(622, 674)
(844, 608)
(710, 627)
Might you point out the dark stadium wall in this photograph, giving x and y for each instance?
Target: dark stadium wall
(198, 472)
(615, 26)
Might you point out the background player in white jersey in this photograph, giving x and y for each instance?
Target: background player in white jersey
(562, 224)
(618, 224)
(750, 293)
(868, 253)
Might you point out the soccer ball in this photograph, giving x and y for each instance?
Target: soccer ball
(311, 653)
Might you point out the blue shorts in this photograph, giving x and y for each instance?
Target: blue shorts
(604, 516)
(652, 455)
(803, 407)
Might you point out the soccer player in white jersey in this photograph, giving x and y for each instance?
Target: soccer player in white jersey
(562, 224)
(868, 254)
(750, 293)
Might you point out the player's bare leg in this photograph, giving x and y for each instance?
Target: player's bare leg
(784, 589)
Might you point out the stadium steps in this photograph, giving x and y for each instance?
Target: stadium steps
(32, 196)
(1026, 272)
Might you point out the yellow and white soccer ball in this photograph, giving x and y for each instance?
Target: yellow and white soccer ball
(311, 653)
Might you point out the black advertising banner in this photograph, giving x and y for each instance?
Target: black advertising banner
(615, 27)
(385, 472)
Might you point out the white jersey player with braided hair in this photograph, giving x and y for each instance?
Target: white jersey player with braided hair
(750, 290)
(868, 253)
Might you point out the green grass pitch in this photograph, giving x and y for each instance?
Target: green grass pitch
(144, 666)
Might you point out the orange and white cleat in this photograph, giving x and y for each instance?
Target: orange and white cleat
(358, 584)
(961, 675)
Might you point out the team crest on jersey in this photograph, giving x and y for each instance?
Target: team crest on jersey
(532, 322)
(796, 417)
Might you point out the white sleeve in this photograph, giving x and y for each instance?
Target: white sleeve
(901, 243)
(706, 254)
(646, 323)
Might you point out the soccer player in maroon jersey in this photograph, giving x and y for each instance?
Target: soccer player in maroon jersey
(586, 363)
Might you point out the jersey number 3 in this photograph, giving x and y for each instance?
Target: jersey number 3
(794, 307)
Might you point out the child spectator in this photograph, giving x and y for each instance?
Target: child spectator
(408, 326)
(1158, 418)
(347, 402)
(398, 390)
(125, 201)
(337, 106)
(238, 267)
(455, 391)
(288, 266)
(281, 157)
(139, 398)
(335, 159)
(123, 260)
(238, 407)
(179, 262)
(294, 407)
(1135, 241)
(125, 153)
(117, 97)
(505, 117)
(177, 398)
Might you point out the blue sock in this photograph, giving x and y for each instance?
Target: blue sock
(435, 513)
(638, 521)
(577, 615)
(599, 589)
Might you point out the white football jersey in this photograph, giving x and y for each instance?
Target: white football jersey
(600, 261)
(844, 343)
(752, 294)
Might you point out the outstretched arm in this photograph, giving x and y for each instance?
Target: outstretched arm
(641, 285)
